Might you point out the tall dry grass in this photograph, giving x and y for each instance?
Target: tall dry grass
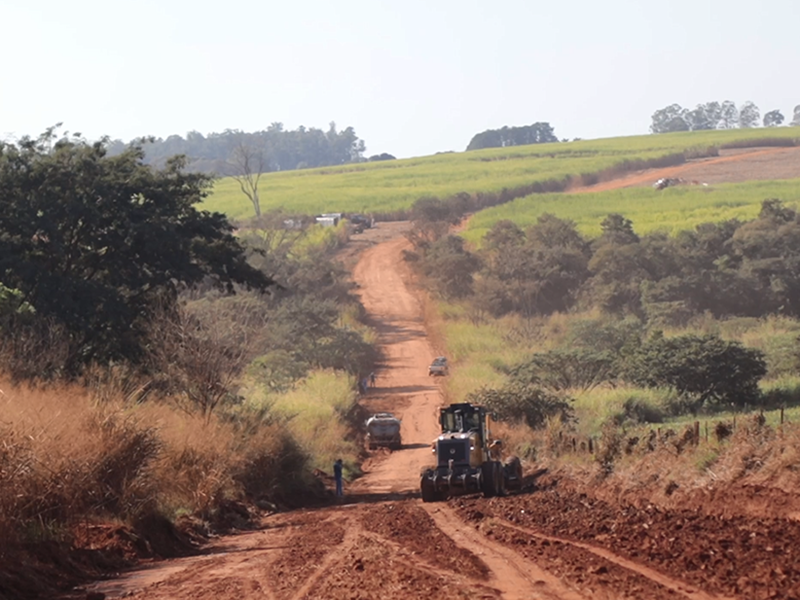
(69, 456)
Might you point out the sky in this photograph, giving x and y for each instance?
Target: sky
(412, 77)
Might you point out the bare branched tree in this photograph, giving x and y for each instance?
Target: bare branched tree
(200, 360)
(247, 163)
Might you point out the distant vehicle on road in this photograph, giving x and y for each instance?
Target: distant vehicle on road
(383, 431)
(438, 366)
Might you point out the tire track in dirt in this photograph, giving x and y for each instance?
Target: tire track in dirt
(349, 540)
(515, 577)
(684, 589)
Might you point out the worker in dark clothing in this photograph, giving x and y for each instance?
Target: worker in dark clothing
(372, 379)
(337, 475)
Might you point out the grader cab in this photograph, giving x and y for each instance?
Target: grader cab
(467, 458)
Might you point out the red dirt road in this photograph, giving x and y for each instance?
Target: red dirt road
(553, 543)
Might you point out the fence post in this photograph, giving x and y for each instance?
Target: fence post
(696, 433)
(706, 427)
(591, 445)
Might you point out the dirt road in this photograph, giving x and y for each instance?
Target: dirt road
(552, 543)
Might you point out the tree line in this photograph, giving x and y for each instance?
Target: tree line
(744, 268)
(716, 115)
(282, 149)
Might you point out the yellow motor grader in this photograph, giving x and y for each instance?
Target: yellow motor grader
(467, 458)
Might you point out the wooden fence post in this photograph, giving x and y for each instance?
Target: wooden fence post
(696, 433)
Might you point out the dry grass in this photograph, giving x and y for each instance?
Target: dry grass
(757, 459)
(67, 456)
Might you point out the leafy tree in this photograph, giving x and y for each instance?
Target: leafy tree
(520, 403)
(451, 267)
(729, 115)
(538, 133)
(503, 235)
(563, 369)
(749, 115)
(617, 268)
(773, 118)
(706, 370)
(380, 157)
(617, 230)
(93, 241)
(796, 117)
(769, 247)
(538, 272)
(669, 119)
(702, 117)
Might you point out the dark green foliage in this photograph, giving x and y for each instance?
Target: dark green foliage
(563, 369)
(451, 267)
(773, 118)
(620, 337)
(538, 133)
(523, 403)
(706, 370)
(639, 410)
(282, 149)
(93, 241)
(536, 272)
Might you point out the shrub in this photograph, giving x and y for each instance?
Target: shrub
(523, 403)
(706, 370)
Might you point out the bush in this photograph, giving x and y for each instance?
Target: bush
(522, 403)
(705, 370)
(565, 369)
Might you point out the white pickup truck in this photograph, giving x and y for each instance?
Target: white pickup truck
(383, 430)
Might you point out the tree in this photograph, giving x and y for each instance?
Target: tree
(516, 403)
(563, 369)
(702, 117)
(729, 115)
(247, 163)
(451, 267)
(537, 133)
(749, 115)
(94, 242)
(796, 118)
(705, 370)
(669, 119)
(773, 118)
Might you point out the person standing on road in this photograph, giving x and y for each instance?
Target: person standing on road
(337, 475)
(372, 379)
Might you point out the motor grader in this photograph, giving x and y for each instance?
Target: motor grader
(467, 458)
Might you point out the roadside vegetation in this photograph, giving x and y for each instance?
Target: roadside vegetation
(155, 368)
(591, 342)
(480, 178)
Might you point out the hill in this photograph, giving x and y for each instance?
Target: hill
(391, 187)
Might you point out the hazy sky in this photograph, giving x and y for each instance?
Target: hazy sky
(412, 77)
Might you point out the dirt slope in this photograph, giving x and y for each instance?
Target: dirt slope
(731, 166)
(554, 543)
